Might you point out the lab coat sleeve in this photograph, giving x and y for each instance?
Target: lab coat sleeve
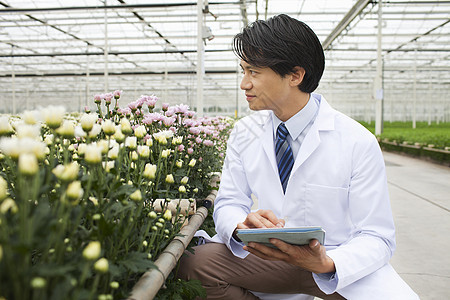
(373, 241)
(233, 202)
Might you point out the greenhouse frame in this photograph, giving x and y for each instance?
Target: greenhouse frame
(384, 59)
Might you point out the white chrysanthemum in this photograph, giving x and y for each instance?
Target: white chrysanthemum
(140, 131)
(109, 128)
(31, 131)
(5, 126)
(87, 121)
(96, 129)
(131, 142)
(30, 117)
(28, 164)
(150, 171)
(79, 132)
(93, 154)
(13, 147)
(114, 152)
(143, 151)
(53, 116)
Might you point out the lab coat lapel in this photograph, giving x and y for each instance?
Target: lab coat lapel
(324, 121)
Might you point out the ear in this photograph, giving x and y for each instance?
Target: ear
(297, 76)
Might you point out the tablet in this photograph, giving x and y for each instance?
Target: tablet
(295, 236)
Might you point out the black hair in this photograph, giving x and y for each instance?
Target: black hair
(282, 43)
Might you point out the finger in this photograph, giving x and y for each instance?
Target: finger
(242, 226)
(258, 221)
(273, 253)
(314, 245)
(259, 253)
(271, 217)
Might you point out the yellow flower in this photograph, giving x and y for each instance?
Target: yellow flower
(101, 265)
(179, 163)
(150, 171)
(149, 142)
(169, 178)
(28, 164)
(92, 250)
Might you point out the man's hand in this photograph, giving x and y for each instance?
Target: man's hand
(261, 219)
(310, 257)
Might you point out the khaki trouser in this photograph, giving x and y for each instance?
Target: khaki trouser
(225, 276)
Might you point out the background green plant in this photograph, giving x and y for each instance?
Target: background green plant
(434, 134)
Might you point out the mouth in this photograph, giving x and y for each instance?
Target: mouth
(249, 97)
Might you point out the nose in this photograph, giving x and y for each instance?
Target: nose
(246, 84)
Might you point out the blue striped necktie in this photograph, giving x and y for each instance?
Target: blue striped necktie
(285, 158)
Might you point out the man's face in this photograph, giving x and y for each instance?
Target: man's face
(264, 89)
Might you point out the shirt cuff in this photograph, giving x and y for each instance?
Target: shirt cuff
(327, 282)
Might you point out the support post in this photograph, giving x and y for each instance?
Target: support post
(106, 48)
(13, 78)
(200, 58)
(414, 89)
(379, 76)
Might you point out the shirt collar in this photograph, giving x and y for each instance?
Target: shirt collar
(297, 123)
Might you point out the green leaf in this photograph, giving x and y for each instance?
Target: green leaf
(137, 262)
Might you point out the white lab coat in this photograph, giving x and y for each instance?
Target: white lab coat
(338, 182)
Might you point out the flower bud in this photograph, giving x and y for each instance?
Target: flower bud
(3, 188)
(195, 190)
(179, 163)
(8, 204)
(144, 243)
(169, 178)
(114, 285)
(192, 162)
(119, 136)
(28, 164)
(108, 127)
(165, 153)
(184, 180)
(140, 131)
(38, 283)
(134, 156)
(131, 142)
(143, 151)
(182, 189)
(114, 152)
(149, 142)
(74, 191)
(125, 126)
(167, 215)
(92, 250)
(152, 215)
(150, 171)
(101, 265)
(136, 195)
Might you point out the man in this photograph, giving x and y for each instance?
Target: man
(307, 165)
